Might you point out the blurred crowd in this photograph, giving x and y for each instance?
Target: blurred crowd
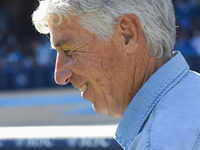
(188, 27)
(19, 50)
(24, 54)
(29, 52)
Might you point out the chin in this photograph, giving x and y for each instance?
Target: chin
(117, 115)
(104, 111)
(100, 110)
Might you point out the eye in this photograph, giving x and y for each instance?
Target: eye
(68, 52)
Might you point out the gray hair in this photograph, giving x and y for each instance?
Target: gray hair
(100, 17)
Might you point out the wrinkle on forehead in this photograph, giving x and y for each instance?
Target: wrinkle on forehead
(53, 24)
(62, 28)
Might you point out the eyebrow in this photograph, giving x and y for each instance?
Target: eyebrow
(59, 43)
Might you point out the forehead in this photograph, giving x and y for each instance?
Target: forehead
(72, 22)
(65, 32)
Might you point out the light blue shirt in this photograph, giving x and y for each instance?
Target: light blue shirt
(165, 113)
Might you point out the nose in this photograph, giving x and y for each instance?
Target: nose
(62, 72)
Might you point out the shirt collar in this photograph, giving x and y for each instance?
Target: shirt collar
(148, 96)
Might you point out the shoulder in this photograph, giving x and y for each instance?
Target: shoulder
(176, 118)
(174, 123)
(167, 132)
(173, 130)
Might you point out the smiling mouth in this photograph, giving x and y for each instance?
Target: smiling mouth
(83, 87)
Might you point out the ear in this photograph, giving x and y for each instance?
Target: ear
(130, 31)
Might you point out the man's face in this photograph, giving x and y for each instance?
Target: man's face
(98, 68)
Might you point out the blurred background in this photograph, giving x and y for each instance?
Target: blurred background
(29, 96)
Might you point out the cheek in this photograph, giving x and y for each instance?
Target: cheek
(111, 65)
(85, 66)
(100, 68)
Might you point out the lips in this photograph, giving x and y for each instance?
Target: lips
(83, 87)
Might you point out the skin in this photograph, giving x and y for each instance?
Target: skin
(114, 70)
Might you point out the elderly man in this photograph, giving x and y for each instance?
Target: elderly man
(119, 54)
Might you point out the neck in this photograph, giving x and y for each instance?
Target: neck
(146, 66)
(143, 67)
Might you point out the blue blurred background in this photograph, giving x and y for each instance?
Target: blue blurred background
(29, 95)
